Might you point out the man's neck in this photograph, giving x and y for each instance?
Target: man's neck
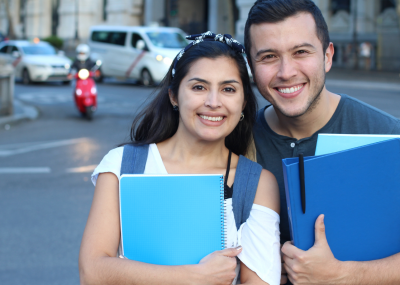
(305, 125)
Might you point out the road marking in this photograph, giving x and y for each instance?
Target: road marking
(82, 169)
(18, 170)
(38, 146)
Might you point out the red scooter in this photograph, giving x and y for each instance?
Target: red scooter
(85, 92)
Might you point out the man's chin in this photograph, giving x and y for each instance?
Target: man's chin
(291, 113)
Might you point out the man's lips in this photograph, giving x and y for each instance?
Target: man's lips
(290, 91)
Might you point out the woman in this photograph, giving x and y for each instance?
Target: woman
(200, 122)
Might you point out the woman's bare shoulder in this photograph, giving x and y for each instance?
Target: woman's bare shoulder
(268, 191)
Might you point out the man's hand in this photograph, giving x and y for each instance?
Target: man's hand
(315, 266)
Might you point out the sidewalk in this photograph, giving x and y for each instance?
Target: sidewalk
(21, 112)
(368, 79)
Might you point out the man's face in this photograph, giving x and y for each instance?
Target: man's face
(289, 63)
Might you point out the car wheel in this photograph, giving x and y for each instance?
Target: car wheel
(26, 78)
(146, 78)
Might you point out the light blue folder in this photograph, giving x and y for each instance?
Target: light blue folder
(329, 143)
(358, 190)
(171, 219)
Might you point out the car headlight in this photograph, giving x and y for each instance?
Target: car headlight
(159, 57)
(67, 66)
(167, 61)
(83, 74)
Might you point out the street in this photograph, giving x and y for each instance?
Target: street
(45, 168)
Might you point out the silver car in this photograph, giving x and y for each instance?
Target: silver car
(35, 62)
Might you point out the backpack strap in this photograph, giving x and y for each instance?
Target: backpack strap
(134, 159)
(245, 187)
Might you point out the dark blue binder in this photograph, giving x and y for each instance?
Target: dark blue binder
(358, 190)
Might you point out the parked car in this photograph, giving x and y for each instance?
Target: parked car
(36, 62)
(141, 53)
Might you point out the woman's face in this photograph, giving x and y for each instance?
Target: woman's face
(210, 99)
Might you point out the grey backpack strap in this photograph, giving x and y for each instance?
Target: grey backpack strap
(244, 188)
(134, 159)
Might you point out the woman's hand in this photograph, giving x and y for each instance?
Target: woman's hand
(219, 267)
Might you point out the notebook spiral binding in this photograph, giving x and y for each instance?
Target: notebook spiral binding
(223, 214)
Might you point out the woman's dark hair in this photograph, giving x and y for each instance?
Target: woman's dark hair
(158, 121)
(273, 11)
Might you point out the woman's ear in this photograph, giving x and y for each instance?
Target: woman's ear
(172, 98)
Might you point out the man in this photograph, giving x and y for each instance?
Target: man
(289, 52)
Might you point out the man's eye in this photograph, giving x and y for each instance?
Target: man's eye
(301, 52)
(269, 56)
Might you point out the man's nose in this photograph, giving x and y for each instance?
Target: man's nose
(287, 69)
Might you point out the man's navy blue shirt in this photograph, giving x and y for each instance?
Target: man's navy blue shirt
(351, 117)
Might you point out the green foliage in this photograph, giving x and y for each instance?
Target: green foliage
(54, 41)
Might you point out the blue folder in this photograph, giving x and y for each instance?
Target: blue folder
(171, 219)
(358, 190)
(328, 143)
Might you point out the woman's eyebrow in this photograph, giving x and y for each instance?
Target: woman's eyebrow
(220, 83)
(199, 79)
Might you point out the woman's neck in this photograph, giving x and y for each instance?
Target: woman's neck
(190, 155)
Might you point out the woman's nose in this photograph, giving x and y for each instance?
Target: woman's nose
(213, 99)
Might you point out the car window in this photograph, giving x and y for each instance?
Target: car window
(100, 36)
(167, 39)
(135, 38)
(14, 48)
(116, 38)
(39, 50)
(4, 49)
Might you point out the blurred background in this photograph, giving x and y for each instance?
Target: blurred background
(49, 145)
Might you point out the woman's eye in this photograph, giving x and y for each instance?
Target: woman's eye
(229, 89)
(198, 87)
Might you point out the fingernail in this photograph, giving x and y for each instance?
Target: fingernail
(239, 247)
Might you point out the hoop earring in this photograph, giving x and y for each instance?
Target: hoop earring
(175, 108)
(241, 117)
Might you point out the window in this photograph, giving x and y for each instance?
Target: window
(337, 5)
(167, 40)
(385, 4)
(14, 48)
(101, 37)
(4, 49)
(135, 39)
(116, 38)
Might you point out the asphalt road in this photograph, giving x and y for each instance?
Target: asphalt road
(45, 167)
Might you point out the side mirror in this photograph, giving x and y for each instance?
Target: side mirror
(140, 44)
(61, 53)
(98, 62)
(15, 54)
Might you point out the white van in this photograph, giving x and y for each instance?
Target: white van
(142, 53)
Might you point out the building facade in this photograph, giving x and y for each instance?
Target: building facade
(365, 33)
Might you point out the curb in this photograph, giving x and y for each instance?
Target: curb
(22, 112)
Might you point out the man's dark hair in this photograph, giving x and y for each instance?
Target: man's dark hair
(273, 11)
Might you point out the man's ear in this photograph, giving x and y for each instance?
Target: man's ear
(330, 51)
(172, 98)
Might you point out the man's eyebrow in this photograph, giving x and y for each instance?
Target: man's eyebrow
(207, 82)
(302, 45)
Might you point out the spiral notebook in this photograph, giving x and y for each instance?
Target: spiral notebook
(171, 219)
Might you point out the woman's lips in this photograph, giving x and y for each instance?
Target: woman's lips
(212, 121)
